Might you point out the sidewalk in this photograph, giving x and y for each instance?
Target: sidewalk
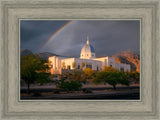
(106, 94)
(84, 86)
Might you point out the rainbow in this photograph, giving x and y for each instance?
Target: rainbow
(57, 33)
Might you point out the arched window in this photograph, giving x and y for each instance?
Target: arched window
(89, 66)
(97, 68)
(68, 67)
(78, 66)
(111, 64)
(121, 69)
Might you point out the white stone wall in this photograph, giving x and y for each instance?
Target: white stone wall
(78, 62)
(55, 62)
(55, 65)
(104, 60)
(68, 62)
(123, 67)
(111, 62)
(87, 55)
(107, 61)
(95, 64)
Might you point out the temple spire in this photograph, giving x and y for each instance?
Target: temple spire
(87, 40)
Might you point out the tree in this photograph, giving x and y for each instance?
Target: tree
(33, 69)
(63, 65)
(112, 78)
(73, 65)
(117, 77)
(109, 69)
(123, 79)
(89, 73)
(134, 75)
(101, 77)
(83, 64)
(49, 64)
(76, 75)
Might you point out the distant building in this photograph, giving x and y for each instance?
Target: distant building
(88, 58)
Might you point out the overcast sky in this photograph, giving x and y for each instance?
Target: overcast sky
(106, 36)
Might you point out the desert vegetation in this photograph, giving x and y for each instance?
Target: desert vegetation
(34, 70)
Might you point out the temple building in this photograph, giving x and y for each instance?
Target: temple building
(87, 58)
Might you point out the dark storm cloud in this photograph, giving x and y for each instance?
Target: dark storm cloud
(34, 34)
(107, 37)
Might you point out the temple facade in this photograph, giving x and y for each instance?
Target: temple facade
(87, 60)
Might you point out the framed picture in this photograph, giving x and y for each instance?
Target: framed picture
(69, 64)
(80, 59)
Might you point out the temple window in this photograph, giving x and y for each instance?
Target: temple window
(89, 66)
(78, 66)
(121, 69)
(68, 67)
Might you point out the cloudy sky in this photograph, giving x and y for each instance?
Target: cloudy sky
(68, 37)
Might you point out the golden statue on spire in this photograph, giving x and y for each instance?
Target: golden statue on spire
(87, 40)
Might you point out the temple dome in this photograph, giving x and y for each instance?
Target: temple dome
(87, 51)
(88, 48)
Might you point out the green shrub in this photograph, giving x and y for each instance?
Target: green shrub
(70, 85)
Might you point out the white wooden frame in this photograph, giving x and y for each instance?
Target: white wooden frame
(145, 10)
